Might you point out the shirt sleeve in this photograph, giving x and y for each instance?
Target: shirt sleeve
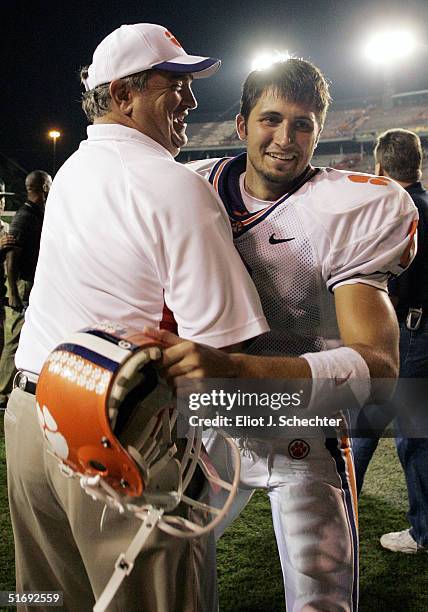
(205, 283)
(203, 166)
(411, 287)
(19, 228)
(374, 241)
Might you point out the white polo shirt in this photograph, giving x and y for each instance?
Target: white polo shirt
(125, 228)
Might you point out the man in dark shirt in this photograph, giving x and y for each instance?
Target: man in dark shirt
(398, 155)
(21, 262)
(5, 242)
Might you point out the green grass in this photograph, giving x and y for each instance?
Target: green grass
(7, 565)
(248, 565)
(389, 581)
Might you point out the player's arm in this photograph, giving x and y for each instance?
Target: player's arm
(368, 324)
(368, 327)
(187, 359)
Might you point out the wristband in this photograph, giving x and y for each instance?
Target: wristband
(340, 379)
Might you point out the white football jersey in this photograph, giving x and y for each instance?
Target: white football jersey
(334, 228)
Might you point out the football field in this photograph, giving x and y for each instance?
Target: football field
(248, 564)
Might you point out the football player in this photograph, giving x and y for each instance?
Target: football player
(320, 245)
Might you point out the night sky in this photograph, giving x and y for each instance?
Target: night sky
(43, 44)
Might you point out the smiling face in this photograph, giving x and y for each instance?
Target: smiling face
(160, 110)
(281, 137)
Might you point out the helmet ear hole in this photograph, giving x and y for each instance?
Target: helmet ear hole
(99, 467)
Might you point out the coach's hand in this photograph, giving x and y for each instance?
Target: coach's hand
(183, 359)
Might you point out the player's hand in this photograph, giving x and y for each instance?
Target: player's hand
(183, 359)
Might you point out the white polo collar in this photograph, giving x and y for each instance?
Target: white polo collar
(115, 131)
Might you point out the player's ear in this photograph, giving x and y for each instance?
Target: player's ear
(320, 128)
(122, 96)
(241, 127)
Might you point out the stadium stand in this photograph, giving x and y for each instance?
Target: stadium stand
(212, 134)
(347, 140)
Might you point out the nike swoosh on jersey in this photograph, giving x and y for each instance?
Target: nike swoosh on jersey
(273, 240)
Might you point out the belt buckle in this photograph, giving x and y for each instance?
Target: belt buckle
(413, 319)
(22, 382)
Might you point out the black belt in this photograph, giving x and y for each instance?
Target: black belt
(22, 381)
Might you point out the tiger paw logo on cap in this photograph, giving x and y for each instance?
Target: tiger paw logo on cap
(50, 430)
(298, 449)
(172, 38)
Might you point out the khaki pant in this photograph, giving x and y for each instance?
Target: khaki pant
(59, 546)
(12, 329)
(2, 317)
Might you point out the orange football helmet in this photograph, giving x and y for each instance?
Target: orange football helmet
(100, 410)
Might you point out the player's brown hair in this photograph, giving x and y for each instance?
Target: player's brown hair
(97, 102)
(295, 79)
(399, 152)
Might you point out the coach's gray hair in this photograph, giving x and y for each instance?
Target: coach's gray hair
(97, 102)
(400, 154)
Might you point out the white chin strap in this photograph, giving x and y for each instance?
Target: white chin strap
(152, 511)
(125, 561)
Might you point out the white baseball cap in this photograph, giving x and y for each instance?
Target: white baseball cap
(141, 46)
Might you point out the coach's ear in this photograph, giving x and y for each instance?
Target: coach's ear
(241, 127)
(122, 96)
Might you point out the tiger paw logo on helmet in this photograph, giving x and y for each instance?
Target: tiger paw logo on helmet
(298, 449)
(50, 431)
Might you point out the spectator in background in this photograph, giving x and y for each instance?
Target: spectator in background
(5, 242)
(21, 261)
(398, 155)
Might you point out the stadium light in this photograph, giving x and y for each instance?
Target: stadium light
(265, 60)
(388, 47)
(54, 134)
